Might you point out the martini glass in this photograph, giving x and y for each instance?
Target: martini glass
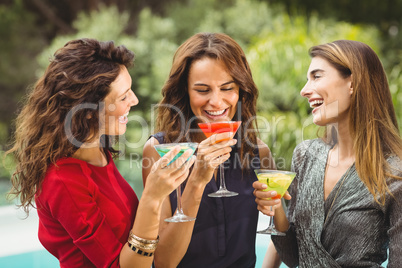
(209, 129)
(276, 180)
(163, 149)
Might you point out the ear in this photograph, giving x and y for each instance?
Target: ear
(351, 84)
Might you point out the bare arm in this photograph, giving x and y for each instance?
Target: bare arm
(271, 259)
(266, 159)
(264, 205)
(175, 238)
(161, 181)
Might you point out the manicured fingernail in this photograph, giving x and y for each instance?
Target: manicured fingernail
(273, 193)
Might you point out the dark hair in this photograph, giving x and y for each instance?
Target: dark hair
(79, 74)
(372, 118)
(175, 91)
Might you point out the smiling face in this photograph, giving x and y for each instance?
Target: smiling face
(118, 103)
(212, 91)
(328, 93)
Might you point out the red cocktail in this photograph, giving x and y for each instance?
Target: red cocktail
(209, 129)
(219, 127)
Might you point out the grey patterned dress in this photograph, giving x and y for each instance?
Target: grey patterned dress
(357, 232)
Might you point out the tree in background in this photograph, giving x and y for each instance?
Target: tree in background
(20, 42)
(275, 42)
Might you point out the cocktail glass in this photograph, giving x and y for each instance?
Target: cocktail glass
(163, 149)
(279, 181)
(209, 129)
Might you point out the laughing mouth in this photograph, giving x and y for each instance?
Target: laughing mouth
(316, 103)
(124, 118)
(216, 113)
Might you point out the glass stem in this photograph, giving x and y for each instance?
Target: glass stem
(178, 192)
(271, 220)
(222, 178)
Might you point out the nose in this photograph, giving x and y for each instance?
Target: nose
(216, 99)
(306, 90)
(134, 100)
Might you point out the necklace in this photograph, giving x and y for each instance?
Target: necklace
(340, 186)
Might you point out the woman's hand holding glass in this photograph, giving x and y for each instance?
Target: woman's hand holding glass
(264, 199)
(212, 152)
(164, 178)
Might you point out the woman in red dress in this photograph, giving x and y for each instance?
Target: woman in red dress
(89, 216)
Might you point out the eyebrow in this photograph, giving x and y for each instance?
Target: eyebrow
(313, 72)
(205, 85)
(316, 71)
(124, 92)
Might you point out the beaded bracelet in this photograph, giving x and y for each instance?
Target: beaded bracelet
(139, 251)
(137, 244)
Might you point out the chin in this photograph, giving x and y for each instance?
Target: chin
(122, 131)
(117, 132)
(317, 120)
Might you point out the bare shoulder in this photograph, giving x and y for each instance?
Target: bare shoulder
(149, 157)
(262, 145)
(149, 147)
(266, 159)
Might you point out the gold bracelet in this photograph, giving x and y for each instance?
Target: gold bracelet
(138, 244)
(142, 240)
(141, 243)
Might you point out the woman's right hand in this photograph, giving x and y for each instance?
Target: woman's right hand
(266, 199)
(164, 178)
(212, 152)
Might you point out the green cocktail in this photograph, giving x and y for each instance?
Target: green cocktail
(276, 180)
(163, 149)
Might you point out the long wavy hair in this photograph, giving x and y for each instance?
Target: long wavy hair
(175, 117)
(372, 118)
(50, 126)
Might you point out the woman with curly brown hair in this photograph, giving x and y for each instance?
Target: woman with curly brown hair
(345, 209)
(89, 216)
(211, 81)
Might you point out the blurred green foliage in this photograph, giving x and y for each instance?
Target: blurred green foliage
(7, 165)
(279, 57)
(276, 45)
(105, 24)
(18, 36)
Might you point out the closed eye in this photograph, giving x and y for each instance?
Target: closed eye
(202, 90)
(316, 73)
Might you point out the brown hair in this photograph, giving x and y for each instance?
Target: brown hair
(79, 75)
(373, 122)
(175, 91)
